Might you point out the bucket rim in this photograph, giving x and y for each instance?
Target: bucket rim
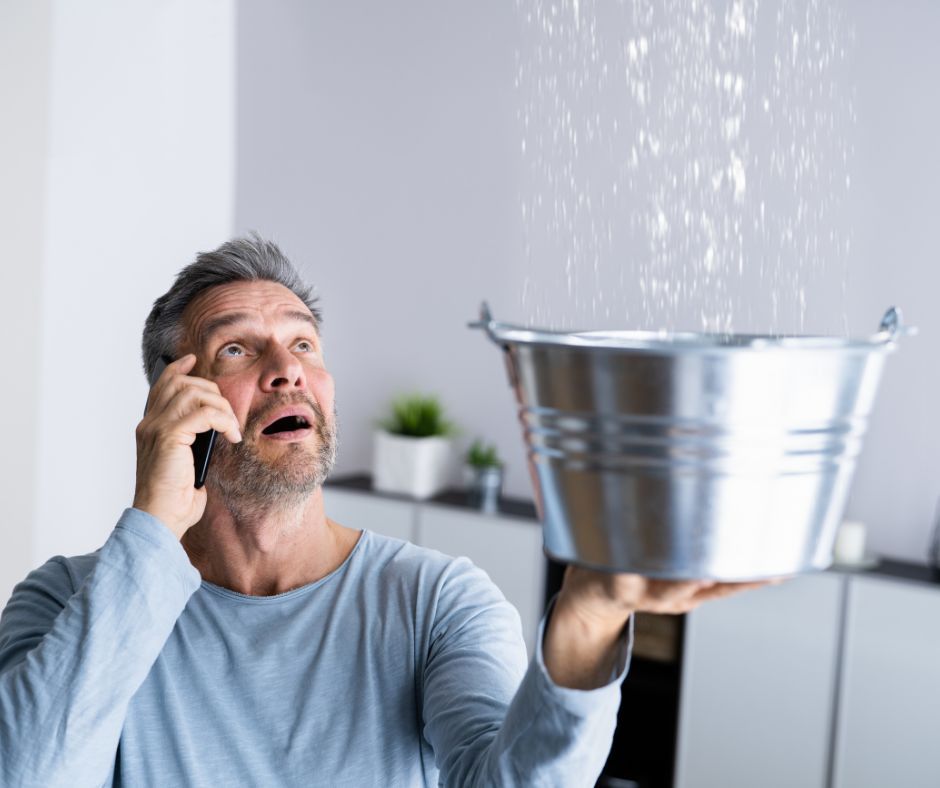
(684, 342)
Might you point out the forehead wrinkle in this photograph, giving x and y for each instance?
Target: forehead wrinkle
(216, 324)
(216, 306)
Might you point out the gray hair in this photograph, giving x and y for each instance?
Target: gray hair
(247, 259)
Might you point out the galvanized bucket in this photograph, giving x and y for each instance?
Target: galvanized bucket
(691, 455)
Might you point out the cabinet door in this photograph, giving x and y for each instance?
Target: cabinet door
(887, 727)
(374, 513)
(508, 549)
(758, 687)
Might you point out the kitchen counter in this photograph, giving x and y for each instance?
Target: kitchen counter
(895, 569)
(461, 499)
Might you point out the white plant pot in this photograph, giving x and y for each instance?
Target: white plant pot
(419, 467)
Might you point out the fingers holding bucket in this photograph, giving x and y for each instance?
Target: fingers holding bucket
(683, 596)
(615, 593)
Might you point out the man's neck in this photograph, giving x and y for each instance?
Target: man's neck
(267, 554)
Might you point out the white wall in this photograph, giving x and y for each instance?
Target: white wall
(24, 83)
(378, 142)
(894, 213)
(136, 172)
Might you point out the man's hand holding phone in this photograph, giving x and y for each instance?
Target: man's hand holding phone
(180, 407)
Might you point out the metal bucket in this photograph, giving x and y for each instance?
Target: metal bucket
(692, 455)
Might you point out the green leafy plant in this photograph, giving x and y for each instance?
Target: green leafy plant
(417, 416)
(483, 455)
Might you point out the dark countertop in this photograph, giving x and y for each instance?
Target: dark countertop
(888, 568)
(461, 499)
(895, 569)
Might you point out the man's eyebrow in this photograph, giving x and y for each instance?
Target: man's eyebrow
(234, 318)
(220, 322)
(306, 317)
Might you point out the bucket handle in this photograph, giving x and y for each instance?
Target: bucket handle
(892, 327)
(486, 322)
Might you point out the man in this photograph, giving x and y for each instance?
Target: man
(235, 635)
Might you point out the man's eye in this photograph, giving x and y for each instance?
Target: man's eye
(305, 346)
(232, 351)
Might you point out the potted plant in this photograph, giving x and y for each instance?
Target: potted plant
(413, 448)
(486, 475)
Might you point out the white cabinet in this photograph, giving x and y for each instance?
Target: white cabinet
(889, 719)
(508, 549)
(758, 687)
(828, 680)
(386, 516)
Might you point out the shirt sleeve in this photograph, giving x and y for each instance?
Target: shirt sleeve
(72, 655)
(491, 720)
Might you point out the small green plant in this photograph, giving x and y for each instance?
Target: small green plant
(483, 455)
(417, 416)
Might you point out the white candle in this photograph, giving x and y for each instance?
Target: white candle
(850, 543)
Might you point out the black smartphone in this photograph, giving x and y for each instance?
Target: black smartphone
(204, 443)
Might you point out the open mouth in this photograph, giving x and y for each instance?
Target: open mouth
(286, 424)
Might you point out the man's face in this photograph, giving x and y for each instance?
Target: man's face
(258, 342)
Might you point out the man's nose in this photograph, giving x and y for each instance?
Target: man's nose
(282, 371)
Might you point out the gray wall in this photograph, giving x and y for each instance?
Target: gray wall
(379, 144)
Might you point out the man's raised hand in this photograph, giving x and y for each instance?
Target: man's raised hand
(179, 407)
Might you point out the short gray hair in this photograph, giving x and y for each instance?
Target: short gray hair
(246, 259)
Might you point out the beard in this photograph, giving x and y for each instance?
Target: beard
(252, 486)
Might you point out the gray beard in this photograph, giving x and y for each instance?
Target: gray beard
(252, 487)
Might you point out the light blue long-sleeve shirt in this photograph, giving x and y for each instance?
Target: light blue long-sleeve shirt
(403, 667)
